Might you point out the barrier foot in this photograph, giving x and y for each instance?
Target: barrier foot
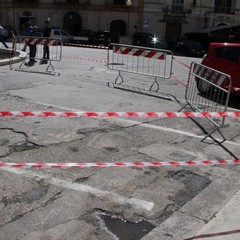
(217, 127)
(51, 72)
(155, 83)
(119, 76)
(50, 66)
(210, 135)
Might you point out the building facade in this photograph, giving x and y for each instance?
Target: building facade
(173, 18)
(167, 18)
(74, 15)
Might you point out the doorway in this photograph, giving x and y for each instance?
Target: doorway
(173, 32)
(119, 27)
(72, 23)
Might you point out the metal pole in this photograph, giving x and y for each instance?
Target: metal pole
(128, 4)
(128, 24)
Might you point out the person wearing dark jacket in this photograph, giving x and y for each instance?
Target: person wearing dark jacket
(32, 48)
(46, 34)
(28, 30)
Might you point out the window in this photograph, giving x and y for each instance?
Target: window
(177, 5)
(119, 2)
(229, 53)
(72, 1)
(225, 6)
(27, 1)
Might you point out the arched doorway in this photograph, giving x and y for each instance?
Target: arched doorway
(119, 27)
(72, 23)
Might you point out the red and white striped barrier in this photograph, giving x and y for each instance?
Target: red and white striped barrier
(118, 114)
(210, 75)
(118, 164)
(139, 52)
(36, 41)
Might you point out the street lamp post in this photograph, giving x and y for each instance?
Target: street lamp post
(128, 4)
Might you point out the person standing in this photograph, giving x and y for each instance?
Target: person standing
(46, 34)
(2, 36)
(32, 48)
(28, 30)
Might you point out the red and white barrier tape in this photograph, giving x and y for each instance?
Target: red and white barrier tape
(182, 63)
(119, 114)
(118, 164)
(179, 81)
(85, 45)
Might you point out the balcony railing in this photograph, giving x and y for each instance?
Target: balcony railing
(119, 2)
(26, 1)
(224, 10)
(178, 8)
(115, 2)
(81, 2)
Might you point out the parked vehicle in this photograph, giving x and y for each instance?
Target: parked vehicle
(222, 33)
(157, 42)
(177, 45)
(58, 33)
(84, 37)
(141, 38)
(148, 40)
(105, 37)
(192, 48)
(224, 57)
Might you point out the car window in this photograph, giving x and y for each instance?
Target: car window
(84, 33)
(64, 33)
(229, 53)
(196, 44)
(56, 33)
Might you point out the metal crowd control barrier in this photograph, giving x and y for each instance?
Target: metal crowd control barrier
(139, 60)
(208, 90)
(55, 52)
(12, 53)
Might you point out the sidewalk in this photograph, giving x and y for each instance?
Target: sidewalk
(225, 225)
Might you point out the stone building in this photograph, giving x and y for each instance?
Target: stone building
(173, 18)
(167, 18)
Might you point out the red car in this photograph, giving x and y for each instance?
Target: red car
(225, 57)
